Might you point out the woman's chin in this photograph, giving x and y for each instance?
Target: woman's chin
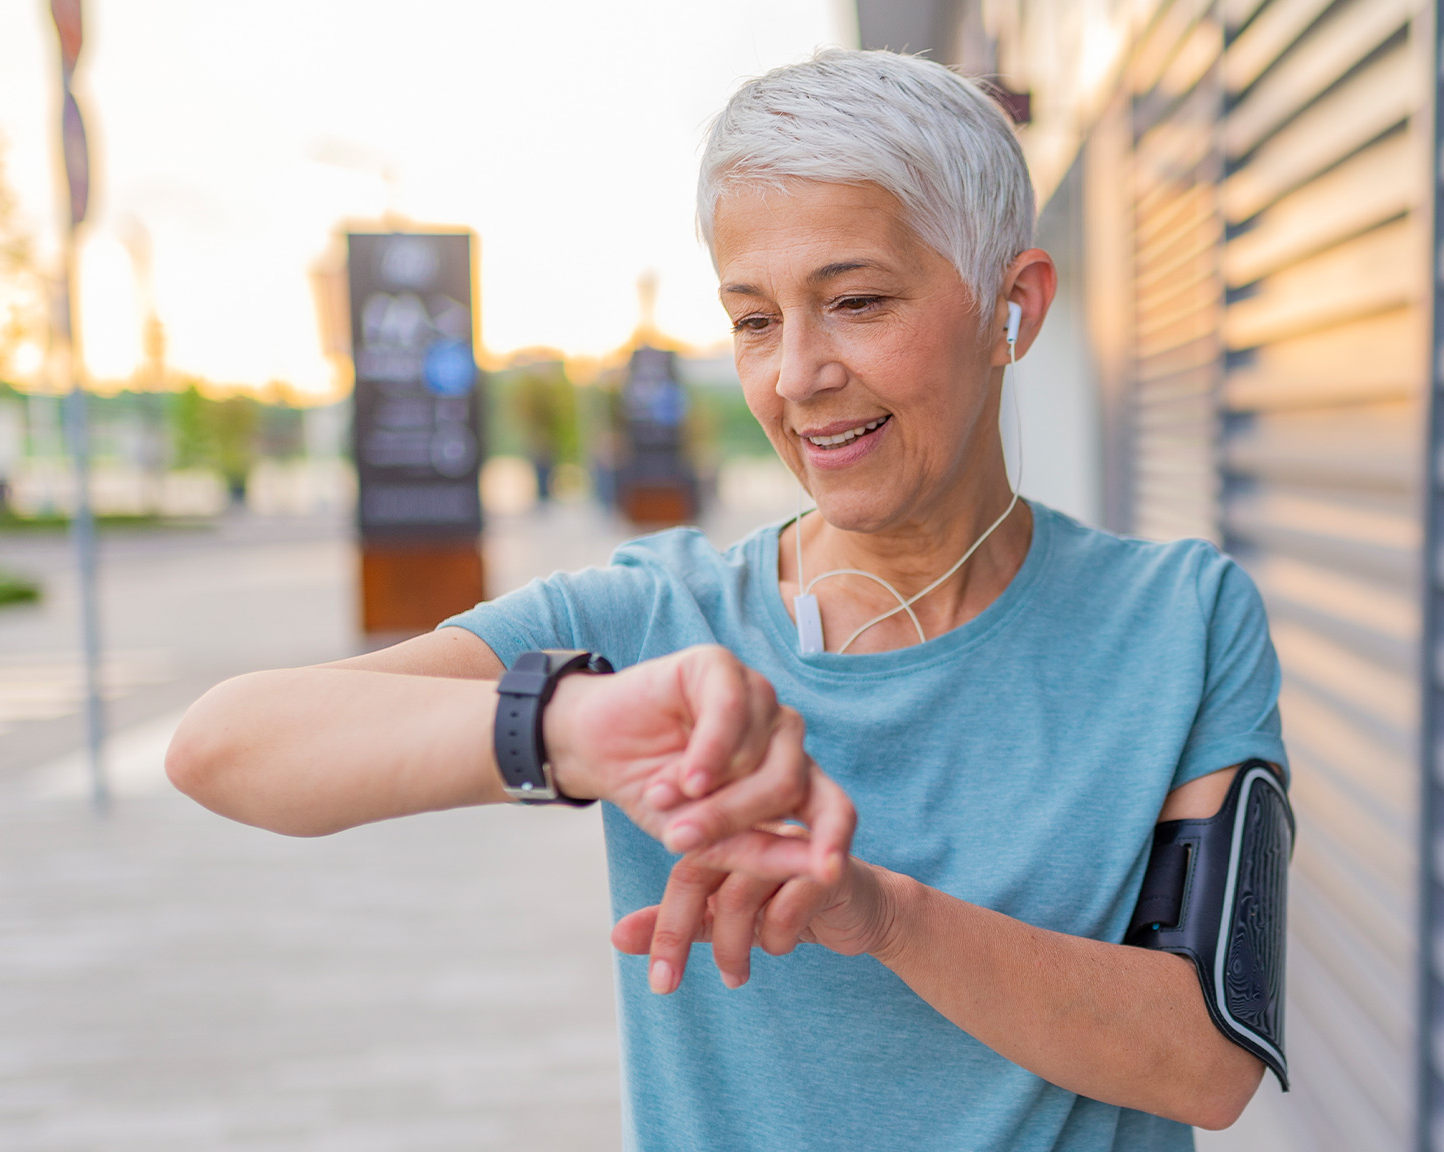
(855, 511)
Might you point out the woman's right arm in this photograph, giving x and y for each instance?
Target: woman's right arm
(693, 747)
(309, 751)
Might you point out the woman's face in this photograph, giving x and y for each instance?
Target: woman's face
(859, 351)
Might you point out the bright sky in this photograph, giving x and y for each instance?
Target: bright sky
(564, 132)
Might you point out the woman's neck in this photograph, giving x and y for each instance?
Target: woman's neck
(909, 556)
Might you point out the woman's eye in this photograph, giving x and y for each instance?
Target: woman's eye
(857, 303)
(751, 324)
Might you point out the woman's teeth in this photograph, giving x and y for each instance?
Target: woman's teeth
(846, 437)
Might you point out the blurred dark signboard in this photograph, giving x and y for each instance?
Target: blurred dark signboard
(657, 483)
(417, 425)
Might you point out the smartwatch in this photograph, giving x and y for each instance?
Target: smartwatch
(522, 695)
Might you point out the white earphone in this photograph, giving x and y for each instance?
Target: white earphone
(1015, 317)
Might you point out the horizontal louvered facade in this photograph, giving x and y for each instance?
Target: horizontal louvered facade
(1259, 182)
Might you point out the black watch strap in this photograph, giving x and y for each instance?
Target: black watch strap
(522, 695)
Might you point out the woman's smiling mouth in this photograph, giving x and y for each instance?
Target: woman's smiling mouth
(847, 436)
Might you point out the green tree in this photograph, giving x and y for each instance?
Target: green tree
(192, 437)
(223, 435)
(237, 423)
(546, 411)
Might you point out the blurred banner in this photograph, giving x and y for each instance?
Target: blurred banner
(417, 427)
(657, 483)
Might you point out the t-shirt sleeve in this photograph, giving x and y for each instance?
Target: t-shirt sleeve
(1238, 715)
(607, 610)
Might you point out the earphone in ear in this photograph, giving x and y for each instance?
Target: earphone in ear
(1015, 317)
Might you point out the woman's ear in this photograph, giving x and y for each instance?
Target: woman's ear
(1029, 286)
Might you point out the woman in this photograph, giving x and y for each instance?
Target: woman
(1007, 740)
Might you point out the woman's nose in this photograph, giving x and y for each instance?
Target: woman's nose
(808, 363)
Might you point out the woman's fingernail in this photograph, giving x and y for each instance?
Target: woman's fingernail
(659, 977)
(683, 837)
(733, 982)
(659, 794)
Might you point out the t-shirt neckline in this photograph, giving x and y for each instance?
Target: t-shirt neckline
(938, 648)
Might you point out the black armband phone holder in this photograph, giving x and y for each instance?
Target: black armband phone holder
(1216, 891)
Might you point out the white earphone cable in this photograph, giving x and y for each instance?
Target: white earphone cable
(903, 604)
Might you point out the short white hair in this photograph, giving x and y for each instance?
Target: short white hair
(935, 140)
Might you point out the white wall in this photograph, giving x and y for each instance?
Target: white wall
(1057, 388)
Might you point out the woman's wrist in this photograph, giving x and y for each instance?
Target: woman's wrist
(897, 897)
(569, 770)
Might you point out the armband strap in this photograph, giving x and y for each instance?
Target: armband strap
(1216, 891)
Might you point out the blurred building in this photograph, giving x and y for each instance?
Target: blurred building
(1242, 201)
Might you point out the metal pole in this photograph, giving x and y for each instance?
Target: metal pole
(77, 426)
(69, 27)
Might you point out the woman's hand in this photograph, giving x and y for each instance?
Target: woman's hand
(695, 748)
(736, 911)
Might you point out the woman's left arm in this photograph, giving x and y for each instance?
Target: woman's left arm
(1124, 1025)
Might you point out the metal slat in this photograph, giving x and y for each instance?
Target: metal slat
(1377, 185)
(1179, 254)
(1331, 49)
(1191, 304)
(1162, 42)
(1195, 56)
(1382, 699)
(1361, 447)
(1192, 328)
(1170, 154)
(1177, 309)
(1362, 786)
(1378, 983)
(1179, 416)
(1362, 615)
(1161, 245)
(1388, 616)
(1375, 359)
(1337, 1116)
(1159, 234)
(1178, 261)
(1353, 279)
(1367, 1106)
(1178, 499)
(1236, 13)
(1174, 526)
(1369, 542)
(1267, 38)
(1196, 385)
(1190, 259)
(1357, 900)
(1371, 102)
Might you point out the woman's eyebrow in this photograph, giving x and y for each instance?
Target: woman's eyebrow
(816, 276)
(828, 271)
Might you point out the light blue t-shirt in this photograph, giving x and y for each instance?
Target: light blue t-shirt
(1018, 762)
